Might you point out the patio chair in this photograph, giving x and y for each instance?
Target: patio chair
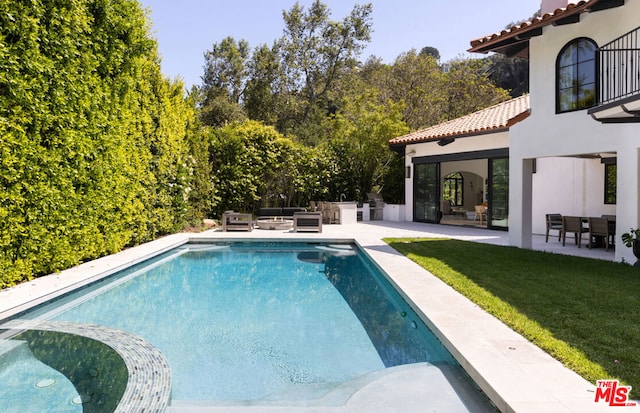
(554, 222)
(599, 227)
(236, 221)
(573, 225)
(307, 221)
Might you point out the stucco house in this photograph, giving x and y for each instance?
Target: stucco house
(585, 96)
(577, 152)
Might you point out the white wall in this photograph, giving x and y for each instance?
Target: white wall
(475, 166)
(393, 212)
(460, 145)
(547, 134)
(568, 186)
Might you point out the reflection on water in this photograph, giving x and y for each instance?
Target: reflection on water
(98, 373)
(397, 333)
(29, 385)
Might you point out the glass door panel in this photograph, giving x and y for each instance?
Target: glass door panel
(499, 193)
(426, 192)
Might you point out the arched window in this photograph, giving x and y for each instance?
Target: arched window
(576, 75)
(452, 188)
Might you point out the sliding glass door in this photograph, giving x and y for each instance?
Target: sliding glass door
(499, 193)
(488, 179)
(426, 192)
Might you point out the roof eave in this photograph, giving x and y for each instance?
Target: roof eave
(494, 120)
(452, 136)
(503, 41)
(518, 118)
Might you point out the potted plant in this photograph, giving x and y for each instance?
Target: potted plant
(632, 239)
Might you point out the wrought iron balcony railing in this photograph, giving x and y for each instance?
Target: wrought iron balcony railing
(619, 67)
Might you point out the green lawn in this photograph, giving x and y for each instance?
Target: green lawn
(584, 312)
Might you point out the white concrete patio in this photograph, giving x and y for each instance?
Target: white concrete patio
(384, 229)
(516, 375)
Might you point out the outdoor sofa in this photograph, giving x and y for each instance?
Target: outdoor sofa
(285, 213)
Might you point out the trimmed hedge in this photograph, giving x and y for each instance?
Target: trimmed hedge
(255, 166)
(96, 147)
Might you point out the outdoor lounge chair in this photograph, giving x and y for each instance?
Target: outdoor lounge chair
(573, 225)
(554, 222)
(236, 221)
(307, 221)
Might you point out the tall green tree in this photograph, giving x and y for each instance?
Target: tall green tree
(431, 94)
(360, 133)
(469, 89)
(430, 51)
(317, 51)
(226, 67)
(418, 80)
(509, 73)
(224, 81)
(265, 92)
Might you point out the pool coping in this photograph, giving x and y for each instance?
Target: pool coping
(516, 375)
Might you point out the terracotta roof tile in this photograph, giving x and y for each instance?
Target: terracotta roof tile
(495, 118)
(483, 44)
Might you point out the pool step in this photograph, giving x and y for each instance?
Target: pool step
(418, 388)
(10, 350)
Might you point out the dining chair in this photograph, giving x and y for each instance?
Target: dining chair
(612, 226)
(599, 227)
(573, 225)
(481, 213)
(554, 222)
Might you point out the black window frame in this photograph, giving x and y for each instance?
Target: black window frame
(577, 64)
(458, 188)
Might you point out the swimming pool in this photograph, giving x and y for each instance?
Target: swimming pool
(247, 321)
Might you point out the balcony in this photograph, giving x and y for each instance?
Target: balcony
(619, 91)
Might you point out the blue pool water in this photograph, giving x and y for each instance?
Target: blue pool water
(40, 387)
(246, 321)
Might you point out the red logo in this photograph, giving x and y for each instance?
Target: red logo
(613, 393)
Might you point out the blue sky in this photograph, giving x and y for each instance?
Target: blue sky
(185, 29)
